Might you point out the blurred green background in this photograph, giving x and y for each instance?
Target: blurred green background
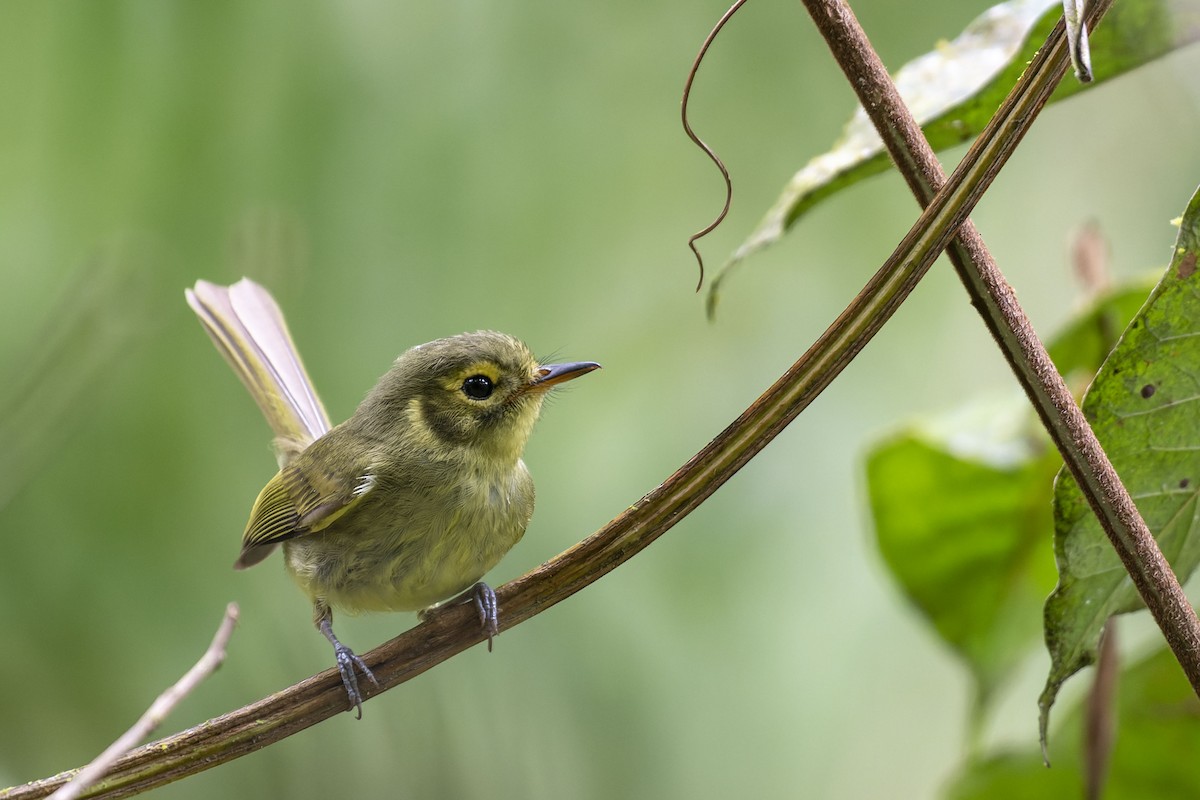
(396, 172)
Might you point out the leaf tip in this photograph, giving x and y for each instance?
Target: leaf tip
(1044, 704)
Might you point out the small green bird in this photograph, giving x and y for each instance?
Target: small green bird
(411, 500)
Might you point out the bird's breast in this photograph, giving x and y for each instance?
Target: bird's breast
(407, 546)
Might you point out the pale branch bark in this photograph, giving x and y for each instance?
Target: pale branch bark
(454, 629)
(997, 303)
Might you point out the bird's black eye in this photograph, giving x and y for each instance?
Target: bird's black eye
(478, 387)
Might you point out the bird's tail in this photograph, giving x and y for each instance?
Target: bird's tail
(248, 329)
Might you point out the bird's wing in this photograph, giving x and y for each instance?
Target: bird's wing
(297, 502)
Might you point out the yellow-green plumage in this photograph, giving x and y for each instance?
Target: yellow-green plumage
(417, 495)
(411, 500)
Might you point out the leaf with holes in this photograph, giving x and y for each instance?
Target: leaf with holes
(1145, 408)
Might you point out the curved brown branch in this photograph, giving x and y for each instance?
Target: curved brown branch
(456, 628)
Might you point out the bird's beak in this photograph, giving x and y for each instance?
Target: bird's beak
(549, 375)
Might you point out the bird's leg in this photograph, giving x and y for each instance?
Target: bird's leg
(345, 657)
(486, 605)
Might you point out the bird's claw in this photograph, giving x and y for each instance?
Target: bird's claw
(347, 660)
(483, 597)
(488, 607)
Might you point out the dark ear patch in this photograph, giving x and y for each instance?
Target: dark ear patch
(450, 427)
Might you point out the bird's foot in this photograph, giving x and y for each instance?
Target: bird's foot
(483, 597)
(347, 660)
(488, 608)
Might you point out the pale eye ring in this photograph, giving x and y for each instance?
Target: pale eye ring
(478, 387)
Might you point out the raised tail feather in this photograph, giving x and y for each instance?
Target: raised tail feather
(248, 329)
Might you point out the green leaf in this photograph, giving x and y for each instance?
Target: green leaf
(954, 90)
(962, 508)
(1144, 408)
(1010, 775)
(965, 530)
(1154, 754)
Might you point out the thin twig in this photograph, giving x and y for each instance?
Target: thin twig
(157, 712)
(456, 628)
(996, 301)
(1100, 715)
(691, 134)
